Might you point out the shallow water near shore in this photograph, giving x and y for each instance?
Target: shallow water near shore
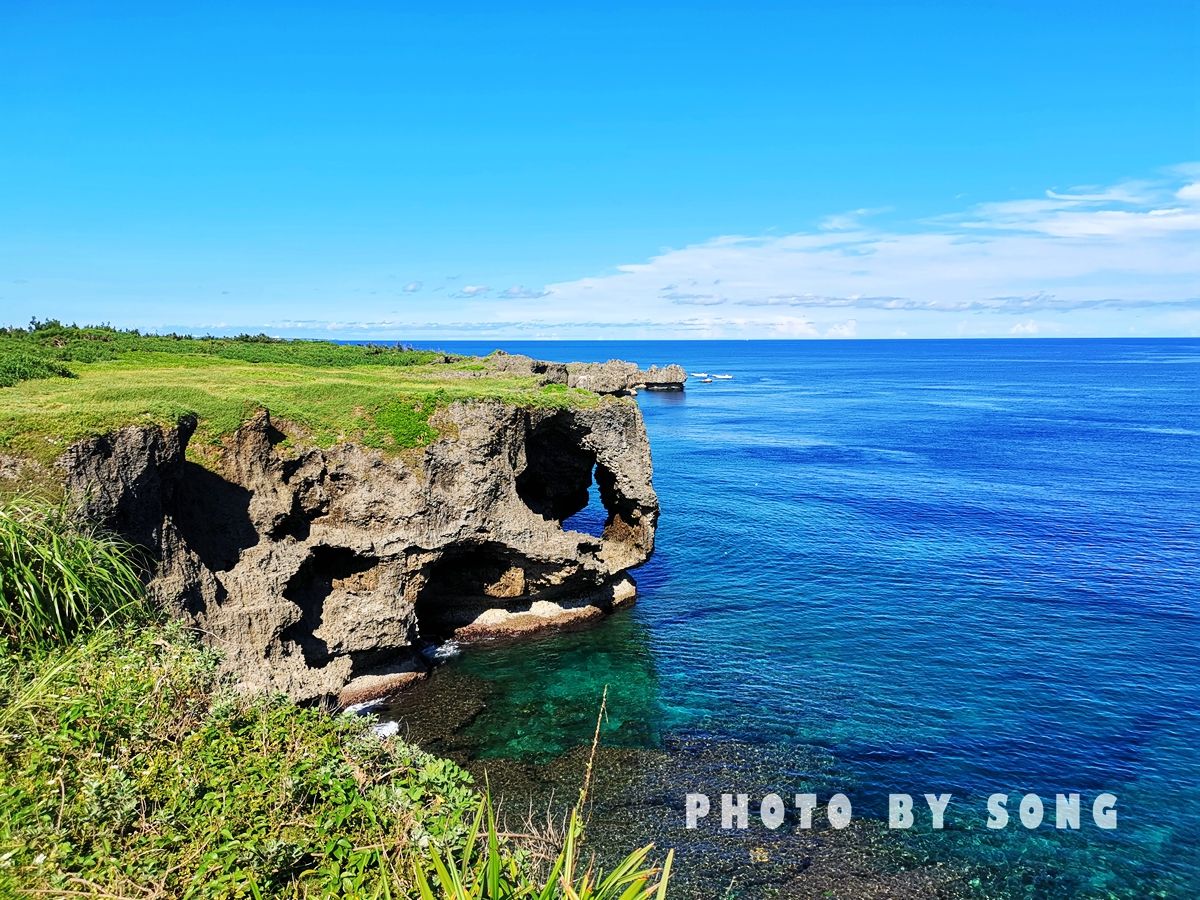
(918, 566)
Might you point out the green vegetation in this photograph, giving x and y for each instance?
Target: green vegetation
(53, 341)
(129, 768)
(57, 573)
(126, 765)
(382, 397)
(19, 365)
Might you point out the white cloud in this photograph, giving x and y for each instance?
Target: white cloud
(1189, 193)
(412, 287)
(792, 327)
(848, 221)
(472, 290)
(1132, 248)
(1116, 259)
(685, 299)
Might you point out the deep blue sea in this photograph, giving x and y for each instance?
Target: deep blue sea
(941, 566)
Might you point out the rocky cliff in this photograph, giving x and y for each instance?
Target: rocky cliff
(323, 573)
(616, 377)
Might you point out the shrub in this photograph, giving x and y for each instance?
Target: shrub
(59, 573)
(127, 764)
(19, 365)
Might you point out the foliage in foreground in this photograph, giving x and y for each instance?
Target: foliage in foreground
(126, 767)
(57, 573)
(487, 872)
(129, 769)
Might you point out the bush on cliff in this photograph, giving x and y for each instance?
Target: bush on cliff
(19, 365)
(125, 765)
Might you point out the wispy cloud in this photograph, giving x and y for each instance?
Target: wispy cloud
(1092, 259)
(682, 298)
(520, 292)
(850, 220)
(468, 291)
(1132, 246)
(412, 287)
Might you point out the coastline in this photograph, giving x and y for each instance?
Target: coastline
(875, 539)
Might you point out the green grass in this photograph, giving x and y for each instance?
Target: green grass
(130, 768)
(382, 398)
(58, 573)
(482, 869)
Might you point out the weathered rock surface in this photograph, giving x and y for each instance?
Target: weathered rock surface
(613, 377)
(619, 377)
(662, 378)
(322, 573)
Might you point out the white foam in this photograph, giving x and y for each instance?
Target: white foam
(360, 709)
(448, 650)
(386, 729)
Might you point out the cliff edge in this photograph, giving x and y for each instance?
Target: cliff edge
(323, 573)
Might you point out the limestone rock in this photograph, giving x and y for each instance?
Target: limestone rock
(612, 377)
(663, 378)
(546, 372)
(615, 377)
(323, 573)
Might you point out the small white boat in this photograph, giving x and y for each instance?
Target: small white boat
(706, 381)
(699, 374)
(722, 377)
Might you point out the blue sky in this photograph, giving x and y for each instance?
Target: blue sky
(603, 170)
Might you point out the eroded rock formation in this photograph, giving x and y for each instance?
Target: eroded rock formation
(322, 573)
(615, 377)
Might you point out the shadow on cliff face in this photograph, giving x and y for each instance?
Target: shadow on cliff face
(327, 569)
(466, 579)
(558, 470)
(558, 477)
(213, 517)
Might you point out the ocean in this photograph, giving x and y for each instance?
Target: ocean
(964, 567)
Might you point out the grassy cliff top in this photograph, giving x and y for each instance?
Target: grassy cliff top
(59, 384)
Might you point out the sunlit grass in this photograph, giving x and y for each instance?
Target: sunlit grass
(483, 870)
(60, 383)
(388, 407)
(59, 573)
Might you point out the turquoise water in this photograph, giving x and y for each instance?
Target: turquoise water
(936, 566)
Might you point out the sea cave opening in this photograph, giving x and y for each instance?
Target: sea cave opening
(464, 580)
(593, 518)
(563, 481)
